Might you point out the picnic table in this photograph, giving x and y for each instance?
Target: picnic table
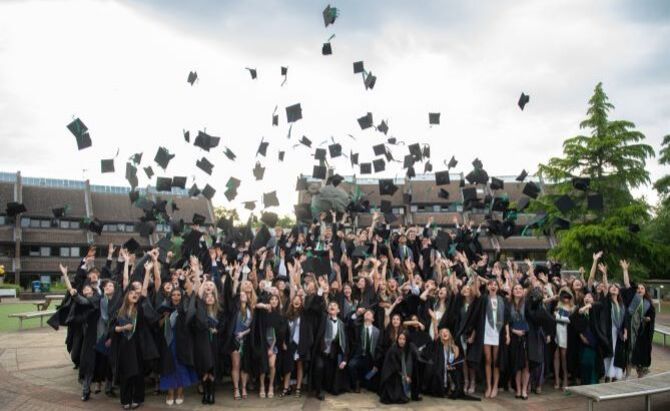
(663, 330)
(43, 305)
(32, 314)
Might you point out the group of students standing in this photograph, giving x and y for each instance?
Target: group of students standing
(403, 319)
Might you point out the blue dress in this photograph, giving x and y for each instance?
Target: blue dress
(183, 376)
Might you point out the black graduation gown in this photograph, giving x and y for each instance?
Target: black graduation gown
(183, 337)
(588, 323)
(476, 321)
(538, 319)
(89, 325)
(433, 377)
(206, 345)
(603, 311)
(334, 380)
(640, 353)
(391, 386)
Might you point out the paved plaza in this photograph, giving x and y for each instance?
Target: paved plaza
(36, 374)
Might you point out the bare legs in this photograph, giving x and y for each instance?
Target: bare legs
(492, 372)
(238, 376)
(272, 358)
(469, 376)
(560, 362)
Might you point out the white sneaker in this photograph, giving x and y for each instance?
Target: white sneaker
(179, 401)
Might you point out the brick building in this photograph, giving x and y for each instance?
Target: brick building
(34, 244)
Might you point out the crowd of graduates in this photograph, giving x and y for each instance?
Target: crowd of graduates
(328, 308)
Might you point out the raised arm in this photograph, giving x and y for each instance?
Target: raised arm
(594, 267)
(626, 278)
(603, 269)
(148, 267)
(66, 280)
(124, 254)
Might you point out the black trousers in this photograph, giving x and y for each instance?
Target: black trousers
(132, 390)
(358, 366)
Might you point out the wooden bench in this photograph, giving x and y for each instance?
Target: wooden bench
(7, 293)
(663, 330)
(43, 305)
(33, 314)
(636, 387)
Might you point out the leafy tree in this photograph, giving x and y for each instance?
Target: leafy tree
(662, 185)
(613, 157)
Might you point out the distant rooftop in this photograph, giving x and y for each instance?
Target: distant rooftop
(419, 177)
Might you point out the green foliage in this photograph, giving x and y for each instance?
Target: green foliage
(613, 156)
(284, 221)
(662, 185)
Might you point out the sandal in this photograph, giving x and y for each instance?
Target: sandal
(285, 393)
(244, 394)
(297, 394)
(271, 393)
(261, 394)
(236, 394)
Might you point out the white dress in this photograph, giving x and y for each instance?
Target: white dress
(562, 320)
(491, 334)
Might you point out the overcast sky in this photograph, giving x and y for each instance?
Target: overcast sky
(121, 66)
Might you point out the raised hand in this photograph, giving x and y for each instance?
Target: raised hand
(63, 269)
(624, 265)
(597, 256)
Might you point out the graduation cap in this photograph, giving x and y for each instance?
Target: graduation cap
(270, 199)
(330, 15)
(107, 166)
(564, 203)
(163, 184)
(523, 100)
(305, 141)
(194, 191)
(275, 119)
(469, 194)
(353, 158)
(131, 245)
(358, 67)
(177, 227)
(500, 204)
(80, 132)
(95, 226)
(253, 73)
(205, 141)
(497, 184)
(390, 140)
(366, 168)
(136, 158)
(634, 228)
(59, 212)
(361, 251)
(259, 171)
(522, 176)
(233, 183)
(269, 219)
(531, 189)
(187, 136)
(379, 149)
(379, 165)
(595, 202)
(581, 183)
(262, 148)
(507, 228)
(411, 173)
(426, 151)
(179, 182)
(390, 219)
(433, 118)
(335, 180)
(13, 209)
(370, 81)
(134, 196)
(428, 167)
(386, 206)
(261, 238)
(387, 187)
(280, 156)
(365, 121)
(192, 77)
(477, 164)
(408, 161)
(477, 176)
(205, 165)
(561, 223)
(230, 193)
(442, 178)
(131, 175)
(249, 205)
(149, 171)
(284, 70)
(335, 150)
(415, 151)
(319, 172)
(303, 212)
(146, 228)
(444, 194)
(301, 184)
(198, 219)
(452, 163)
(208, 192)
(163, 157)
(228, 153)
(326, 49)
(320, 154)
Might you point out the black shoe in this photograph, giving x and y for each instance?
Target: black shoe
(417, 398)
(110, 393)
(320, 396)
(86, 396)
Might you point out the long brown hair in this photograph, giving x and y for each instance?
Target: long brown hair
(128, 309)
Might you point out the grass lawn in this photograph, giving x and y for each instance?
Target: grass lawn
(12, 324)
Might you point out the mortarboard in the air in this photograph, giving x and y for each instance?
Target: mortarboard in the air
(428, 167)
(275, 120)
(262, 148)
(387, 187)
(320, 154)
(249, 205)
(136, 158)
(370, 81)
(358, 67)
(477, 176)
(426, 151)
(594, 201)
(522, 204)
(335, 180)
(149, 171)
(442, 241)
(301, 184)
(134, 196)
(366, 168)
(452, 163)
(379, 149)
(131, 175)
(208, 192)
(303, 212)
(258, 171)
(442, 178)
(385, 206)
(461, 182)
(198, 219)
(163, 184)
(107, 166)
(564, 203)
(523, 100)
(305, 141)
(131, 245)
(361, 251)
(319, 172)
(163, 157)
(408, 161)
(469, 194)
(13, 209)
(444, 194)
(561, 223)
(365, 121)
(391, 140)
(205, 141)
(229, 154)
(194, 191)
(390, 218)
(507, 229)
(269, 219)
(634, 228)
(253, 73)
(177, 227)
(146, 228)
(477, 163)
(270, 199)
(179, 182)
(261, 238)
(233, 183)
(187, 136)
(230, 193)
(335, 150)
(384, 128)
(59, 212)
(95, 226)
(531, 189)
(411, 173)
(581, 183)
(284, 70)
(81, 134)
(500, 204)
(326, 49)
(280, 155)
(353, 158)
(379, 165)
(415, 151)
(522, 176)
(433, 118)
(497, 184)
(406, 198)
(205, 165)
(192, 77)
(329, 15)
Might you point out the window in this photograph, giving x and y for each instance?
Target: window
(34, 223)
(64, 251)
(437, 208)
(111, 227)
(34, 251)
(64, 224)
(121, 227)
(74, 225)
(25, 222)
(3, 220)
(413, 208)
(45, 223)
(75, 252)
(45, 251)
(130, 228)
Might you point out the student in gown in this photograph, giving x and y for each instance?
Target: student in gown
(589, 358)
(209, 327)
(518, 349)
(396, 385)
(365, 358)
(641, 318)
